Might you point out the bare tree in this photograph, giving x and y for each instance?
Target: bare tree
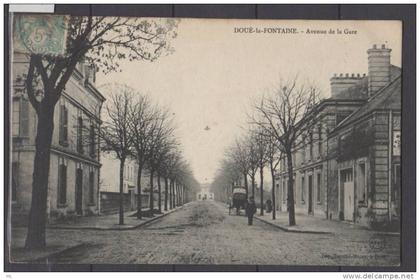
(99, 40)
(273, 157)
(162, 130)
(289, 117)
(239, 154)
(116, 133)
(143, 115)
(169, 168)
(251, 149)
(226, 178)
(259, 145)
(162, 156)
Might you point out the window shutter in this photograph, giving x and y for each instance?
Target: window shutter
(61, 125)
(65, 124)
(59, 183)
(62, 184)
(92, 140)
(80, 135)
(91, 187)
(24, 117)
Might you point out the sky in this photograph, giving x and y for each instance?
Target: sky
(214, 74)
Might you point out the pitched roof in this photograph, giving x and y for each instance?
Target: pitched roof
(388, 98)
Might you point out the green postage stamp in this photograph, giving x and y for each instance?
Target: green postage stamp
(40, 34)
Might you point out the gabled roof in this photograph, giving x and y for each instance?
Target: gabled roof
(388, 98)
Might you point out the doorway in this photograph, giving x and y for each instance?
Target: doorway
(310, 196)
(132, 199)
(347, 192)
(79, 191)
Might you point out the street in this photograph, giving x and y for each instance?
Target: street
(204, 233)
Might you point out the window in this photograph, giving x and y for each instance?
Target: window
(80, 135)
(91, 187)
(361, 183)
(15, 180)
(62, 184)
(302, 189)
(20, 117)
(318, 187)
(63, 133)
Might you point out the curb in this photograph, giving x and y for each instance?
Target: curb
(293, 230)
(116, 227)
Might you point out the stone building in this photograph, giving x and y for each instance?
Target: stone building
(365, 175)
(75, 163)
(310, 160)
(349, 167)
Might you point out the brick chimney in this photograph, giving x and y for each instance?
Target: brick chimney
(342, 82)
(379, 68)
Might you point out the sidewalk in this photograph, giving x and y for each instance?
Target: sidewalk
(313, 224)
(55, 244)
(110, 222)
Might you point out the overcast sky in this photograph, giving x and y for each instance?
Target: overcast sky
(215, 73)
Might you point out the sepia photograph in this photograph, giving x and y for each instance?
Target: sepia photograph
(202, 141)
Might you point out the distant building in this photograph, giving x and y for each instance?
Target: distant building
(110, 185)
(205, 195)
(74, 167)
(349, 168)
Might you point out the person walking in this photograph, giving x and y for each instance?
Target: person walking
(250, 210)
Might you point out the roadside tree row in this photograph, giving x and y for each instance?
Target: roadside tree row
(135, 128)
(279, 123)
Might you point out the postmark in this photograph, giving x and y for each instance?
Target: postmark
(40, 34)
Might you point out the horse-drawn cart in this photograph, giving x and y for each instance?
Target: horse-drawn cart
(238, 200)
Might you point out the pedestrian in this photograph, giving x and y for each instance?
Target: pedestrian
(250, 210)
(268, 206)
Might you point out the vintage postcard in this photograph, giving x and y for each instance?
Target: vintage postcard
(204, 141)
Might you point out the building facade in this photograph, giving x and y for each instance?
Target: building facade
(73, 187)
(365, 183)
(349, 167)
(110, 185)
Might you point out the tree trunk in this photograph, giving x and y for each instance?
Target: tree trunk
(166, 195)
(121, 212)
(139, 171)
(38, 214)
(290, 193)
(262, 189)
(159, 194)
(151, 198)
(177, 195)
(246, 184)
(170, 194)
(273, 190)
(182, 195)
(173, 194)
(253, 184)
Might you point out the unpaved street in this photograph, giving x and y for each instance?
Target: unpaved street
(204, 233)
